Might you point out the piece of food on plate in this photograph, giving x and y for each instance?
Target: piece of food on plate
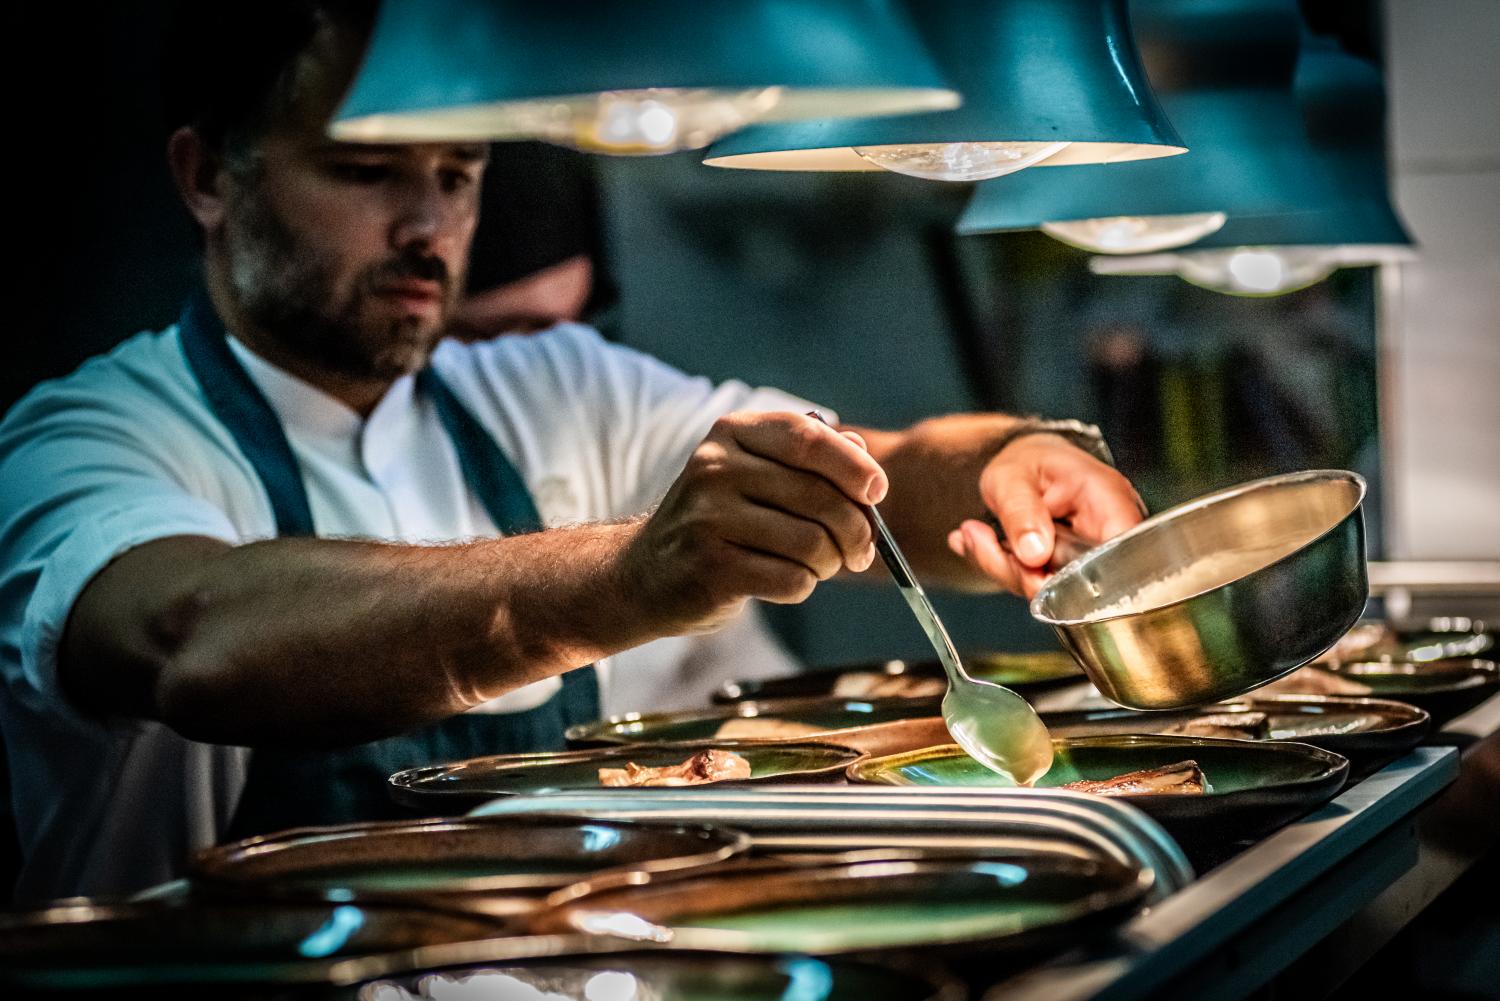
(1234, 726)
(1184, 778)
(1315, 681)
(1358, 643)
(867, 685)
(765, 728)
(701, 768)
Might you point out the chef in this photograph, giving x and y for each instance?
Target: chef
(253, 563)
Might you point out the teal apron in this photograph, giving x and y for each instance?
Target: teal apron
(294, 788)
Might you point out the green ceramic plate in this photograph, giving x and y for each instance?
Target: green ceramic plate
(1256, 786)
(496, 868)
(151, 947)
(870, 905)
(755, 722)
(675, 976)
(467, 783)
(1348, 726)
(906, 679)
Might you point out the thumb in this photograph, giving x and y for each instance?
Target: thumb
(1016, 500)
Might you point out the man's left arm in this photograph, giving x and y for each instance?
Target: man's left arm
(950, 475)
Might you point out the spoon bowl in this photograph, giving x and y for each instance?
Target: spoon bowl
(982, 716)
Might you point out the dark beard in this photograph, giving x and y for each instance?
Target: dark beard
(286, 289)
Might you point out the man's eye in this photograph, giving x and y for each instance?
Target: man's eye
(361, 173)
(457, 180)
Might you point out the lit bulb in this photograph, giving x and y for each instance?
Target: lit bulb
(611, 985)
(1134, 234)
(657, 120)
(959, 161)
(1256, 270)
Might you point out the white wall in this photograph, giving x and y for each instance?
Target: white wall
(1441, 314)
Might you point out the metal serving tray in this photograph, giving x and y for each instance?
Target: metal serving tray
(841, 819)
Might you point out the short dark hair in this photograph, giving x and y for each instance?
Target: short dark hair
(229, 66)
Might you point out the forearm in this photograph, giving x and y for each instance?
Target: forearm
(332, 642)
(934, 469)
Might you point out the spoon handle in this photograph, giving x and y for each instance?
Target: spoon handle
(911, 590)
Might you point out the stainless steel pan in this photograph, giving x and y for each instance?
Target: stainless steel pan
(1217, 596)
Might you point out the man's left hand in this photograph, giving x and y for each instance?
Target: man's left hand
(1030, 483)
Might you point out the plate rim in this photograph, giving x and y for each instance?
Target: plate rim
(209, 869)
(1334, 764)
(1130, 892)
(404, 784)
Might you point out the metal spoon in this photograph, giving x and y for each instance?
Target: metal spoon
(994, 725)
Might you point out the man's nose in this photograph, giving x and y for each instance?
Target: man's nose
(429, 215)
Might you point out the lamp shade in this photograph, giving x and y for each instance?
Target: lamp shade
(510, 69)
(1224, 72)
(1343, 104)
(1031, 71)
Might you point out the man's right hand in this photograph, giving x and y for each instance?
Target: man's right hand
(767, 506)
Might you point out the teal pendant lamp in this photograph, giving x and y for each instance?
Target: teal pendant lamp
(648, 76)
(1224, 70)
(1045, 82)
(1343, 103)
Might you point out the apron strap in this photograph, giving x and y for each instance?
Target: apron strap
(487, 469)
(242, 410)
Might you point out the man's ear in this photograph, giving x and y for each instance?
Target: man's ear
(199, 174)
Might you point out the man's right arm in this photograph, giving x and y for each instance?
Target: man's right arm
(311, 641)
(326, 642)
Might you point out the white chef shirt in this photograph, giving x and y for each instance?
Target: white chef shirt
(126, 450)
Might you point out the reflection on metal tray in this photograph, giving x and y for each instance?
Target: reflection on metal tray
(841, 819)
(1032, 900)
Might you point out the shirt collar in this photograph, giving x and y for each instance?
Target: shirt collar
(309, 411)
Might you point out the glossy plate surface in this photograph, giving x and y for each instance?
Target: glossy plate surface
(868, 905)
(1347, 726)
(675, 976)
(1256, 786)
(488, 866)
(103, 948)
(838, 721)
(906, 678)
(1444, 688)
(473, 781)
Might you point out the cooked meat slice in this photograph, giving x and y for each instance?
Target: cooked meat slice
(1238, 726)
(701, 768)
(762, 728)
(881, 686)
(1359, 643)
(1315, 681)
(1184, 778)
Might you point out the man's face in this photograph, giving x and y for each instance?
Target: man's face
(351, 256)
